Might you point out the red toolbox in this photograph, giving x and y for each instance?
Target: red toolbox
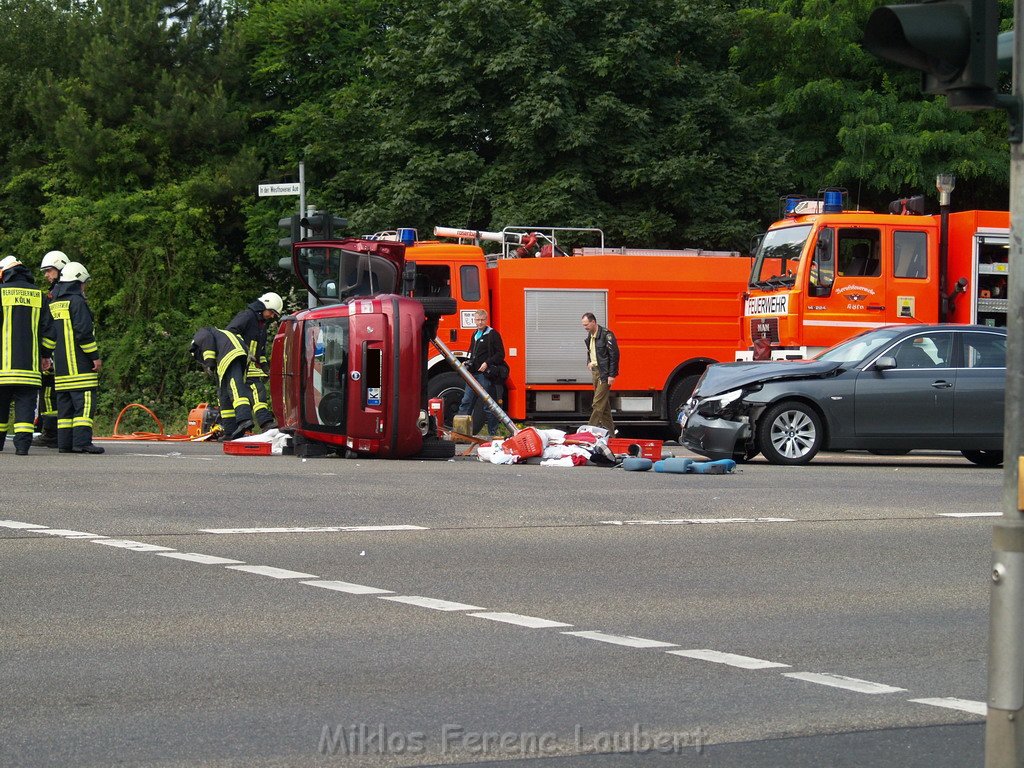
(648, 449)
(236, 448)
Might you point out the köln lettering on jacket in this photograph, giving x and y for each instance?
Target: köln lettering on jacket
(21, 297)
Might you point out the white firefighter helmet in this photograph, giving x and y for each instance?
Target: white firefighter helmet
(272, 302)
(7, 262)
(54, 260)
(74, 272)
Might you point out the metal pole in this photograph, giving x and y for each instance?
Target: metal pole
(475, 385)
(1004, 730)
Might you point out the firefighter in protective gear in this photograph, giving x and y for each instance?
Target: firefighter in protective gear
(27, 340)
(76, 362)
(250, 325)
(222, 356)
(53, 262)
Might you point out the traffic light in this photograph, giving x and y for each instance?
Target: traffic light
(322, 225)
(952, 41)
(293, 225)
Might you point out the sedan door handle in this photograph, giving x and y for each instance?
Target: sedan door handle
(942, 385)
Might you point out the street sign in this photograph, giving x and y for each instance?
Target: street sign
(276, 190)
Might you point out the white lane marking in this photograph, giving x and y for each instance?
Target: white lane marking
(196, 557)
(344, 586)
(431, 602)
(701, 521)
(964, 705)
(533, 622)
(627, 640)
(17, 524)
(136, 546)
(969, 514)
(732, 659)
(841, 681)
(269, 570)
(318, 529)
(66, 534)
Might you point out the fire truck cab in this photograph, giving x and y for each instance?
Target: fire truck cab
(823, 273)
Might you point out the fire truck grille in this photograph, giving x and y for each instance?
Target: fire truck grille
(766, 327)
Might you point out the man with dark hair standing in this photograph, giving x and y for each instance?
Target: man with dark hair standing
(28, 340)
(603, 361)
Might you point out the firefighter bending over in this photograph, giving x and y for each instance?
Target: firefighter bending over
(221, 355)
(250, 325)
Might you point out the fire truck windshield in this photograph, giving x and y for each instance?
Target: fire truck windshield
(777, 257)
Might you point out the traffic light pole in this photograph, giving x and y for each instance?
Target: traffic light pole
(1004, 731)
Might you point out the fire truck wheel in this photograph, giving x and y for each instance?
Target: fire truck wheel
(436, 449)
(449, 387)
(438, 305)
(677, 397)
(984, 458)
(789, 433)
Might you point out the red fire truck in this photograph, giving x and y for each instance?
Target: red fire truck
(674, 313)
(823, 273)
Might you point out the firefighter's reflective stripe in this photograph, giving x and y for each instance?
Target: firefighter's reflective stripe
(68, 369)
(226, 359)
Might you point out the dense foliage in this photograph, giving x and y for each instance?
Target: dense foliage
(135, 133)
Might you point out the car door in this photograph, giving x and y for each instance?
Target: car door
(913, 400)
(980, 385)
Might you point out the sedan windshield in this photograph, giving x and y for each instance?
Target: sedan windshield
(861, 346)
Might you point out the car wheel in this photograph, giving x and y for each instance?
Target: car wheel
(789, 433)
(984, 458)
(438, 305)
(436, 449)
(677, 398)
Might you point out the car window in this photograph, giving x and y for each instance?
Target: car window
(984, 350)
(859, 347)
(924, 351)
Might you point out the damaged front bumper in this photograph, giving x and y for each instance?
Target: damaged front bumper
(716, 437)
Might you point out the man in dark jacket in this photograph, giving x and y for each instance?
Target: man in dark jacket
(487, 364)
(76, 362)
(603, 361)
(28, 341)
(250, 325)
(222, 356)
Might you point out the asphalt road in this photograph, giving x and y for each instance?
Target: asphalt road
(576, 617)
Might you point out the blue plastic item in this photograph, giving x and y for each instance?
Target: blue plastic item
(675, 466)
(637, 464)
(719, 467)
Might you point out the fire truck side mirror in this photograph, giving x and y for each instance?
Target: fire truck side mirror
(953, 42)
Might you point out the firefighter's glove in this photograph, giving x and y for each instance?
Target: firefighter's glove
(210, 371)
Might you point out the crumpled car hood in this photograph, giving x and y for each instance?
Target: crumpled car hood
(724, 377)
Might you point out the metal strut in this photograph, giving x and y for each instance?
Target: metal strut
(471, 381)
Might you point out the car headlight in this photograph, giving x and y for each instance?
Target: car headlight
(716, 404)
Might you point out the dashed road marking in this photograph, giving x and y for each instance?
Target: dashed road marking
(274, 573)
(964, 705)
(701, 521)
(196, 557)
(533, 622)
(136, 546)
(344, 586)
(431, 602)
(627, 640)
(19, 525)
(319, 529)
(841, 681)
(969, 514)
(731, 659)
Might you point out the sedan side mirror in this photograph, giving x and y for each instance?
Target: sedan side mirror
(885, 363)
